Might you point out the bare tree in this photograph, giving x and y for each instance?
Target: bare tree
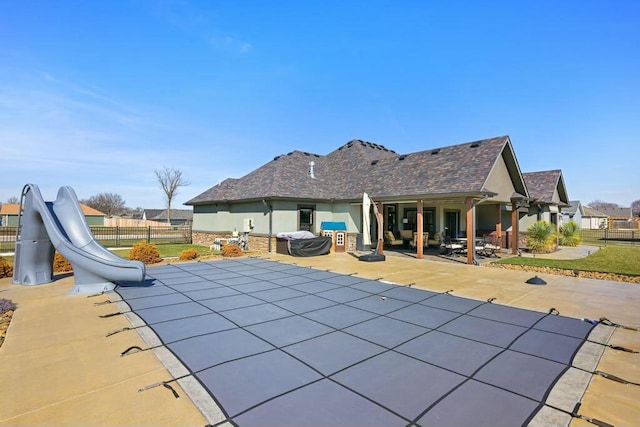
(13, 200)
(107, 203)
(170, 179)
(635, 207)
(599, 204)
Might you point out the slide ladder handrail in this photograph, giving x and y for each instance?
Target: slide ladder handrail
(23, 194)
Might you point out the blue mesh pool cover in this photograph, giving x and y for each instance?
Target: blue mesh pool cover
(278, 344)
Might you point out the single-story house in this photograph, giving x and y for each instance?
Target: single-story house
(620, 218)
(547, 197)
(468, 189)
(593, 219)
(178, 216)
(623, 214)
(9, 215)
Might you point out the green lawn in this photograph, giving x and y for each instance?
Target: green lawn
(170, 250)
(612, 259)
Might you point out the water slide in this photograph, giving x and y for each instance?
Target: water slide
(60, 225)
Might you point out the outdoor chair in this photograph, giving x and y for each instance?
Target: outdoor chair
(425, 240)
(451, 248)
(390, 239)
(406, 234)
(491, 245)
(435, 240)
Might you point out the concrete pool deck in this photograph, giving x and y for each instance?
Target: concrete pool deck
(58, 368)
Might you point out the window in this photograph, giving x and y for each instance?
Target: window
(306, 216)
(428, 220)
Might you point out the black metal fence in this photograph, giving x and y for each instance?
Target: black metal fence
(608, 237)
(115, 237)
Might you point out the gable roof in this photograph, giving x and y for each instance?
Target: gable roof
(617, 212)
(573, 207)
(590, 212)
(542, 186)
(360, 166)
(13, 209)
(161, 214)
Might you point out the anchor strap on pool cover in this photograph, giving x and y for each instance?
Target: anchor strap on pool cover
(575, 414)
(608, 322)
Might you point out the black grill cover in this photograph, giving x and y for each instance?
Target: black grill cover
(310, 247)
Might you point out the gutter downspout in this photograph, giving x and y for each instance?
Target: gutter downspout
(471, 237)
(270, 211)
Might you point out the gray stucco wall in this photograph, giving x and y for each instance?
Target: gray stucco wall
(223, 217)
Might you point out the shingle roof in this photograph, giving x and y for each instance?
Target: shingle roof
(161, 214)
(542, 184)
(617, 212)
(572, 208)
(592, 212)
(359, 166)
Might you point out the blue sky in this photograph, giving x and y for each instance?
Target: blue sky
(98, 94)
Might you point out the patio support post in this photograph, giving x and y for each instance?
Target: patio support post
(380, 247)
(499, 224)
(514, 228)
(419, 231)
(471, 231)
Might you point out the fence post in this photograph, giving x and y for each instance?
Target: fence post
(149, 234)
(117, 236)
(606, 236)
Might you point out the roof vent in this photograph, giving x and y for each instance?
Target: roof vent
(311, 171)
(374, 162)
(436, 151)
(404, 156)
(276, 158)
(475, 144)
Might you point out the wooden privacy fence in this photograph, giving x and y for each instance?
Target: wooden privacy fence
(127, 222)
(115, 236)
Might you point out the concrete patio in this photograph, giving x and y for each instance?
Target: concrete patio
(59, 368)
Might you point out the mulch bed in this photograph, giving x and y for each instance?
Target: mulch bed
(5, 319)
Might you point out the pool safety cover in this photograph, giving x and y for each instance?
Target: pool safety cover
(279, 344)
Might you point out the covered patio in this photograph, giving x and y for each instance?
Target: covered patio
(466, 194)
(472, 223)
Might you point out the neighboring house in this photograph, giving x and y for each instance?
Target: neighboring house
(620, 218)
(178, 216)
(9, 215)
(473, 188)
(573, 212)
(593, 219)
(547, 197)
(623, 214)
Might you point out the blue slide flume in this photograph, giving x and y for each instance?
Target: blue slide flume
(60, 225)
